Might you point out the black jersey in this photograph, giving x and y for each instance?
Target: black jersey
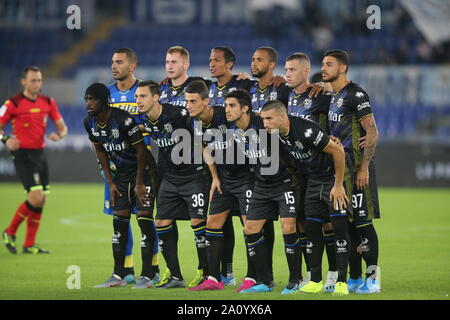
(222, 145)
(116, 136)
(175, 95)
(257, 147)
(217, 94)
(261, 96)
(347, 108)
(305, 142)
(162, 132)
(315, 109)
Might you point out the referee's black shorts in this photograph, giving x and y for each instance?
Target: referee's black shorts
(32, 169)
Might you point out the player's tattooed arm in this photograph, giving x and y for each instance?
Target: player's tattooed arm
(102, 157)
(362, 175)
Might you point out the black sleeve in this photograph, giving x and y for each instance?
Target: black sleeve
(312, 136)
(360, 104)
(246, 84)
(131, 130)
(283, 94)
(323, 102)
(90, 131)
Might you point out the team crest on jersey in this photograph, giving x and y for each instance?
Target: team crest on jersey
(115, 133)
(340, 102)
(123, 98)
(298, 144)
(168, 127)
(222, 128)
(307, 103)
(184, 112)
(273, 96)
(174, 92)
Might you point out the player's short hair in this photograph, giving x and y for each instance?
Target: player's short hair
(273, 54)
(228, 54)
(181, 50)
(242, 96)
(29, 68)
(276, 105)
(340, 55)
(153, 86)
(197, 86)
(131, 55)
(301, 57)
(316, 77)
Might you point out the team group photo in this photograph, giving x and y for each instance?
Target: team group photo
(225, 150)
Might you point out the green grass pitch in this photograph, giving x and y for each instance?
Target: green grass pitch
(414, 250)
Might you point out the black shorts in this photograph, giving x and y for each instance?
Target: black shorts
(269, 202)
(235, 196)
(183, 201)
(318, 206)
(126, 182)
(365, 202)
(32, 169)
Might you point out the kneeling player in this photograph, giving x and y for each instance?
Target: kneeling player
(115, 136)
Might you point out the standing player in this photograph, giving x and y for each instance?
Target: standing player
(183, 184)
(221, 63)
(272, 193)
(325, 192)
(177, 64)
(350, 117)
(264, 62)
(123, 66)
(117, 138)
(236, 180)
(300, 104)
(29, 112)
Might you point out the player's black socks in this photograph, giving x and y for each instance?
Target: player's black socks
(214, 250)
(330, 248)
(257, 251)
(119, 243)
(147, 245)
(369, 248)
(200, 241)
(355, 259)
(251, 272)
(293, 256)
(129, 251)
(340, 227)
(314, 248)
(303, 241)
(155, 266)
(168, 239)
(269, 236)
(228, 247)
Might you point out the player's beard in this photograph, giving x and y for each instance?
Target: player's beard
(259, 74)
(120, 78)
(331, 78)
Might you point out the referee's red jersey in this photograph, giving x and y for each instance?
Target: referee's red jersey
(29, 118)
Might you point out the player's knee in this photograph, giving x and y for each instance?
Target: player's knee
(36, 198)
(288, 226)
(251, 227)
(327, 226)
(216, 221)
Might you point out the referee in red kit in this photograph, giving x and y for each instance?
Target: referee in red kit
(28, 112)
